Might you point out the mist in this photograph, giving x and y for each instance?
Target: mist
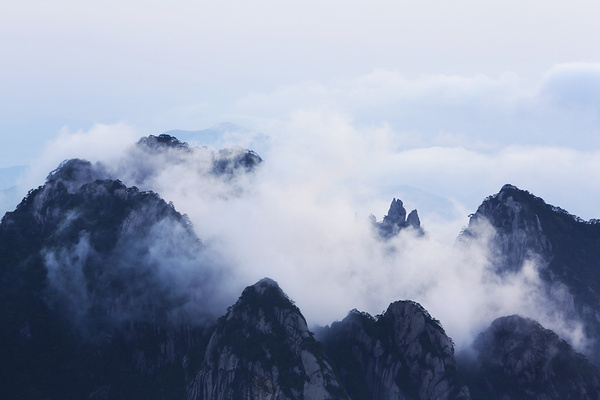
(301, 217)
(115, 254)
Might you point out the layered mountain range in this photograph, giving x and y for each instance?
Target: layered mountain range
(107, 292)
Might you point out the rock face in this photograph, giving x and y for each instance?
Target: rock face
(402, 354)
(396, 220)
(518, 234)
(91, 238)
(160, 142)
(88, 305)
(106, 293)
(566, 249)
(262, 349)
(516, 358)
(224, 163)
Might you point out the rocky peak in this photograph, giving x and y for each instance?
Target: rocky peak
(228, 161)
(402, 354)
(267, 284)
(153, 154)
(74, 173)
(515, 217)
(262, 349)
(396, 220)
(516, 358)
(396, 214)
(163, 141)
(413, 220)
(101, 249)
(91, 285)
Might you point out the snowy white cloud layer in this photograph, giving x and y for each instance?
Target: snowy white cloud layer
(302, 219)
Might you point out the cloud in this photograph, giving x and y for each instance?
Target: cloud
(478, 112)
(338, 152)
(101, 142)
(118, 255)
(573, 85)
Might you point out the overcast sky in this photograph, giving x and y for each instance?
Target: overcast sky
(465, 82)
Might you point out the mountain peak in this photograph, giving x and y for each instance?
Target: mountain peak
(162, 141)
(508, 186)
(403, 353)
(266, 283)
(262, 349)
(396, 214)
(97, 239)
(522, 227)
(396, 220)
(518, 358)
(75, 172)
(516, 218)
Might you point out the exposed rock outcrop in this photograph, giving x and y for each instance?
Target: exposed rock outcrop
(262, 349)
(161, 142)
(402, 354)
(517, 229)
(107, 293)
(396, 220)
(225, 161)
(565, 248)
(89, 307)
(516, 358)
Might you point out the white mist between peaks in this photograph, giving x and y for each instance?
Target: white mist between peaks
(302, 220)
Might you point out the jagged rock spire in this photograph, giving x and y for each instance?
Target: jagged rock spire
(396, 220)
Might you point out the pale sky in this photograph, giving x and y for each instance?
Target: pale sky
(482, 77)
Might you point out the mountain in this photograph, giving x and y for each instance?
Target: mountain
(396, 220)
(565, 248)
(516, 358)
(262, 349)
(88, 308)
(106, 289)
(162, 151)
(107, 292)
(402, 354)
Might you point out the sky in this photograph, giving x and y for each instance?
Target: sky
(494, 80)
(351, 103)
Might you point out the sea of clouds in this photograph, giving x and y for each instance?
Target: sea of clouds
(301, 218)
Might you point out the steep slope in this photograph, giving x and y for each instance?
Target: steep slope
(565, 248)
(402, 354)
(262, 349)
(396, 220)
(92, 300)
(155, 155)
(516, 358)
(527, 226)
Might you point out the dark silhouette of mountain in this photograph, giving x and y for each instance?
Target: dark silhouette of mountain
(87, 310)
(152, 155)
(162, 141)
(565, 247)
(402, 354)
(261, 349)
(106, 292)
(516, 358)
(396, 220)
